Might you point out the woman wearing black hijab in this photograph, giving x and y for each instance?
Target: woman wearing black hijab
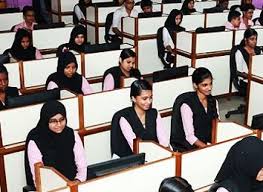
(171, 25)
(242, 170)
(77, 41)
(55, 144)
(188, 7)
(22, 48)
(67, 77)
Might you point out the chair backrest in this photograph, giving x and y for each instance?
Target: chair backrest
(233, 68)
(108, 24)
(160, 46)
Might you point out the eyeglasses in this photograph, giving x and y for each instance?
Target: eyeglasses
(56, 121)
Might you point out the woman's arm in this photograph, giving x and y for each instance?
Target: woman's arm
(80, 159)
(86, 88)
(108, 83)
(161, 131)
(38, 54)
(52, 85)
(127, 131)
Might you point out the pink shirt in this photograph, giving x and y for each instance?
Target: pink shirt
(243, 25)
(188, 124)
(230, 26)
(85, 87)
(129, 135)
(108, 83)
(24, 26)
(38, 55)
(35, 156)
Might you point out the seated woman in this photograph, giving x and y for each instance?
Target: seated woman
(188, 7)
(242, 170)
(246, 19)
(112, 77)
(22, 48)
(67, 77)
(140, 120)
(193, 113)
(5, 90)
(77, 41)
(175, 184)
(54, 144)
(171, 25)
(79, 12)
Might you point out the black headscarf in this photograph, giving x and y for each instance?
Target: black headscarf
(242, 164)
(56, 148)
(77, 30)
(185, 10)
(18, 52)
(170, 22)
(63, 82)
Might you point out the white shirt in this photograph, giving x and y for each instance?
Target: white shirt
(167, 40)
(241, 64)
(118, 14)
(79, 13)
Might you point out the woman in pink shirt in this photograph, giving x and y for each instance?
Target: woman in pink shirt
(246, 19)
(67, 76)
(22, 48)
(56, 145)
(139, 121)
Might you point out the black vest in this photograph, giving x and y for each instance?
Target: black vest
(119, 144)
(202, 121)
(117, 74)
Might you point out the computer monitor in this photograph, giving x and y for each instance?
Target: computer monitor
(151, 14)
(34, 98)
(116, 165)
(172, 73)
(9, 10)
(94, 48)
(49, 26)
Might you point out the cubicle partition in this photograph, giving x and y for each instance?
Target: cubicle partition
(6, 40)
(12, 18)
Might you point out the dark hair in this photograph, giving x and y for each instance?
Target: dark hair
(233, 15)
(26, 9)
(175, 184)
(246, 7)
(248, 33)
(3, 70)
(185, 4)
(222, 1)
(138, 86)
(200, 74)
(145, 3)
(126, 53)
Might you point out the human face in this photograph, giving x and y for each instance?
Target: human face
(225, 4)
(205, 87)
(25, 42)
(127, 64)
(191, 5)
(251, 41)
(144, 100)
(29, 17)
(249, 14)
(70, 70)
(129, 4)
(79, 39)
(3, 81)
(147, 9)
(57, 123)
(236, 22)
(178, 19)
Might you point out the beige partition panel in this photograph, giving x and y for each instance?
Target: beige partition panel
(99, 108)
(168, 7)
(200, 6)
(216, 19)
(149, 26)
(257, 67)
(191, 22)
(255, 100)
(8, 20)
(134, 178)
(165, 92)
(219, 67)
(184, 41)
(13, 74)
(57, 36)
(209, 161)
(6, 40)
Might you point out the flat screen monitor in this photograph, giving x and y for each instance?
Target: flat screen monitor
(172, 73)
(116, 165)
(34, 98)
(49, 26)
(152, 14)
(94, 48)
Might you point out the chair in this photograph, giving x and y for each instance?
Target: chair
(108, 24)
(28, 188)
(161, 48)
(241, 86)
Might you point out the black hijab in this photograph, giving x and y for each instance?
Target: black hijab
(18, 52)
(185, 10)
(242, 164)
(56, 148)
(63, 82)
(170, 23)
(77, 30)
